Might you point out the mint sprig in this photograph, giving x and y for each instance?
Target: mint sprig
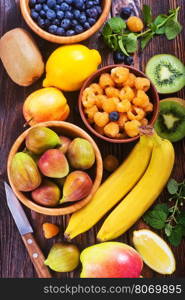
(170, 217)
(118, 37)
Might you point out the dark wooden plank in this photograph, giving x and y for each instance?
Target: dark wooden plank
(14, 260)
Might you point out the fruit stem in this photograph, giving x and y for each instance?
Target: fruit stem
(27, 122)
(147, 130)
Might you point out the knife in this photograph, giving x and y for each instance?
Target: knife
(26, 231)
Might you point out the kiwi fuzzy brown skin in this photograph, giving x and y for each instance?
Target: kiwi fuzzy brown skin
(179, 131)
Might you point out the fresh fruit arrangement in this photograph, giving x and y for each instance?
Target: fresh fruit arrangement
(52, 174)
(65, 18)
(118, 104)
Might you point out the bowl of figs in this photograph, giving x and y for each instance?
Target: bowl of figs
(54, 168)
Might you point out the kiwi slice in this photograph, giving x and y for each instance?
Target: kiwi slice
(171, 120)
(166, 72)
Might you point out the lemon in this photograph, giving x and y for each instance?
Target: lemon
(69, 66)
(154, 251)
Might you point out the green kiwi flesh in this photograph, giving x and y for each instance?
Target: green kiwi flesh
(171, 120)
(166, 72)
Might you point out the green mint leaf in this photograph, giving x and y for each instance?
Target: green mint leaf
(131, 43)
(117, 24)
(172, 29)
(176, 235)
(121, 46)
(147, 14)
(181, 218)
(163, 207)
(168, 229)
(106, 30)
(153, 27)
(172, 186)
(155, 218)
(158, 21)
(146, 39)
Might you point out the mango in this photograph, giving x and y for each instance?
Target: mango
(77, 186)
(40, 139)
(24, 172)
(54, 164)
(47, 194)
(81, 154)
(111, 260)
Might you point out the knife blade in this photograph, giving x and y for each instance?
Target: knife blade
(26, 231)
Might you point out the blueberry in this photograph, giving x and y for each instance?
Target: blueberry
(128, 60)
(114, 116)
(56, 22)
(74, 22)
(57, 7)
(70, 32)
(34, 14)
(82, 18)
(59, 2)
(118, 57)
(91, 21)
(92, 12)
(51, 15)
(69, 1)
(42, 13)
(79, 4)
(87, 25)
(99, 9)
(41, 22)
(65, 23)
(51, 3)
(76, 13)
(60, 31)
(79, 29)
(32, 3)
(125, 12)
(64, 6)
(96, 2)
(45, 7)
(38, 7)
(47, 23)
(52, 29)
(60, 14)
(41, 1)
(68, 15)
(89, 4)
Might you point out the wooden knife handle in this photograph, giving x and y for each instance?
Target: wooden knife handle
(36, 256)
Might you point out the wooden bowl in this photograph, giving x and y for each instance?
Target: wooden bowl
(70, 130)
(24, 5)
(154, 97)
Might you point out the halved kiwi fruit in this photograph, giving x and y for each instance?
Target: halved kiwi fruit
(171, 120)
(166, 72)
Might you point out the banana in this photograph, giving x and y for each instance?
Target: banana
(113, 189)
(142, 196)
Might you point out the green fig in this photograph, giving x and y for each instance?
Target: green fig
(47, 194)
(40, 139)
(63, 257)
(81, 154)
(24, 172)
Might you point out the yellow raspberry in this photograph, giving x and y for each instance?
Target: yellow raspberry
(135, 24)
(109, 105)
(101, 118)
(91, 111)
(100, 130)
(132, 128)
(111, 129)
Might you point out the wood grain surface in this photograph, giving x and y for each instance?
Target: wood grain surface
(14, 260)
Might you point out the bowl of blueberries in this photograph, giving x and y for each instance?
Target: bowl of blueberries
(65, 21)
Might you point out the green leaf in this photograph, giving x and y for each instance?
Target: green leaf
(117, 24)
(172, 186)
(155, 218)
(153, 27)
(176, 235)
(106, 30)
(147, 14)
(121, 46)
(163, 207)
(181, 218)
(172, 29)
(168, 229)
(145, 40)
(131, 43)
(158, 21)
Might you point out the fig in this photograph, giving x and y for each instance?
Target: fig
(63, 257)
(40, 139)
(47, 194)
(24, 172)
(65, 141)
(81, 154)
(77, 186)
(53, 163)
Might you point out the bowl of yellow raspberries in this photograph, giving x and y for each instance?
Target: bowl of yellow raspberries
(116, 101)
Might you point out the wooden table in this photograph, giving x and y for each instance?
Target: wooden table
(14, 260)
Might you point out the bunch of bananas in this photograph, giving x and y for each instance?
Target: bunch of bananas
(138, 181)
